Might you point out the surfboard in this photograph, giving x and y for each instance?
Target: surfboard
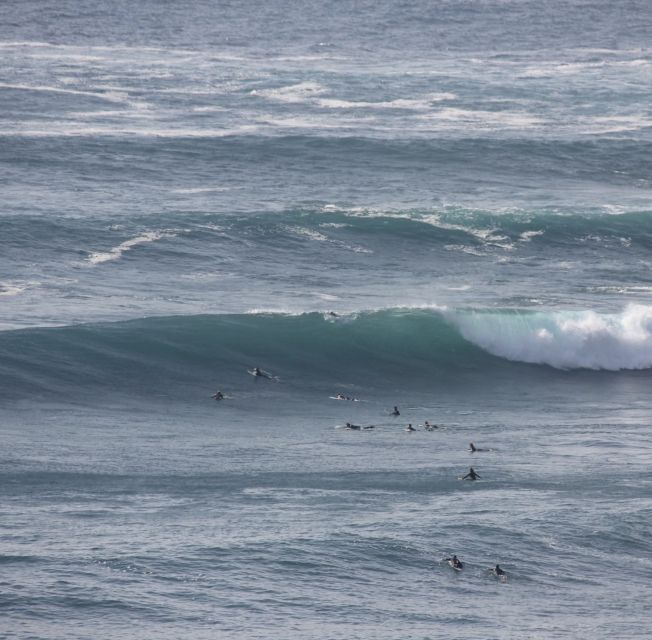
(501, 576)
(350, 399)
(262, 374)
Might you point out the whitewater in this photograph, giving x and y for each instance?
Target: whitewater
(442, 207)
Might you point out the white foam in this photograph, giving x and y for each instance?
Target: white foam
(616, 123)
(526, 236)
(486, 236)
(10, 289)
(115, 253)
(483, 119)
(564, 339)
(294, 93)
(320, 237)
(110, 96)
(415, 104)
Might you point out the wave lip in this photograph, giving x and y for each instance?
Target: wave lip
(563, 339)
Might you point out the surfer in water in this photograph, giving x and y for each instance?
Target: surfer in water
(355, 427)
(497, 571)
(410, 427)
(474, 449)
(428, 426)
(395, 412)
(257, 371)
(218, 395)
(471, 475)
(455, 562)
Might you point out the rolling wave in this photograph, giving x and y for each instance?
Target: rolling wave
(389, 345)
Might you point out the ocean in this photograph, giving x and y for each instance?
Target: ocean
(442, 206)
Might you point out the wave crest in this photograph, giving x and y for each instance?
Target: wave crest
(564, 339)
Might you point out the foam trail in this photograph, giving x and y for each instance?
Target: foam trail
(116, 252)
(11, 288)
(564, 340)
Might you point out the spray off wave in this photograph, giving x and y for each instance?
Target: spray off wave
(564, 339)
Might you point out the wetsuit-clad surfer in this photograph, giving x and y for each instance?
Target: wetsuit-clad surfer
(499, 572)
(471, 475)
(218, 395)
(472, 447)
(410, 427)
(355, 427)
(455, 562)
(396, 412)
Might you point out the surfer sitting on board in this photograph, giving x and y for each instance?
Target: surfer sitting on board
(471, 475)
(497, 571)
(395, 412)
(410, 427)
(455, 562)
(218, 395)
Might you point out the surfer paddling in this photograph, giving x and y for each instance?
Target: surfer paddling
(218, 395)
(455, 562)
(499, 573)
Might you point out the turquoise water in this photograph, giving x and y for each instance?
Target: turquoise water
(443, 206)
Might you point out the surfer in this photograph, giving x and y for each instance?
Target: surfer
(497, 571)
(410, 427)
(396, 412)
(257, 371)
(218, 395)
(355, 427)
(428, 426)
(471, 475)
(472, 447)
(455, 562)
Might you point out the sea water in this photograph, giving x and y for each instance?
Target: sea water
(443, 206)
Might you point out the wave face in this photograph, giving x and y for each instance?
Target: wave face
(368, 348)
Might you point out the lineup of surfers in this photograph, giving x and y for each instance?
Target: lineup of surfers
(472, 475)
(458, 565)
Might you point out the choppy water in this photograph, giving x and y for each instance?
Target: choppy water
(439, 205)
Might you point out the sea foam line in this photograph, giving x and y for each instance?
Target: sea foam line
(99, 257)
